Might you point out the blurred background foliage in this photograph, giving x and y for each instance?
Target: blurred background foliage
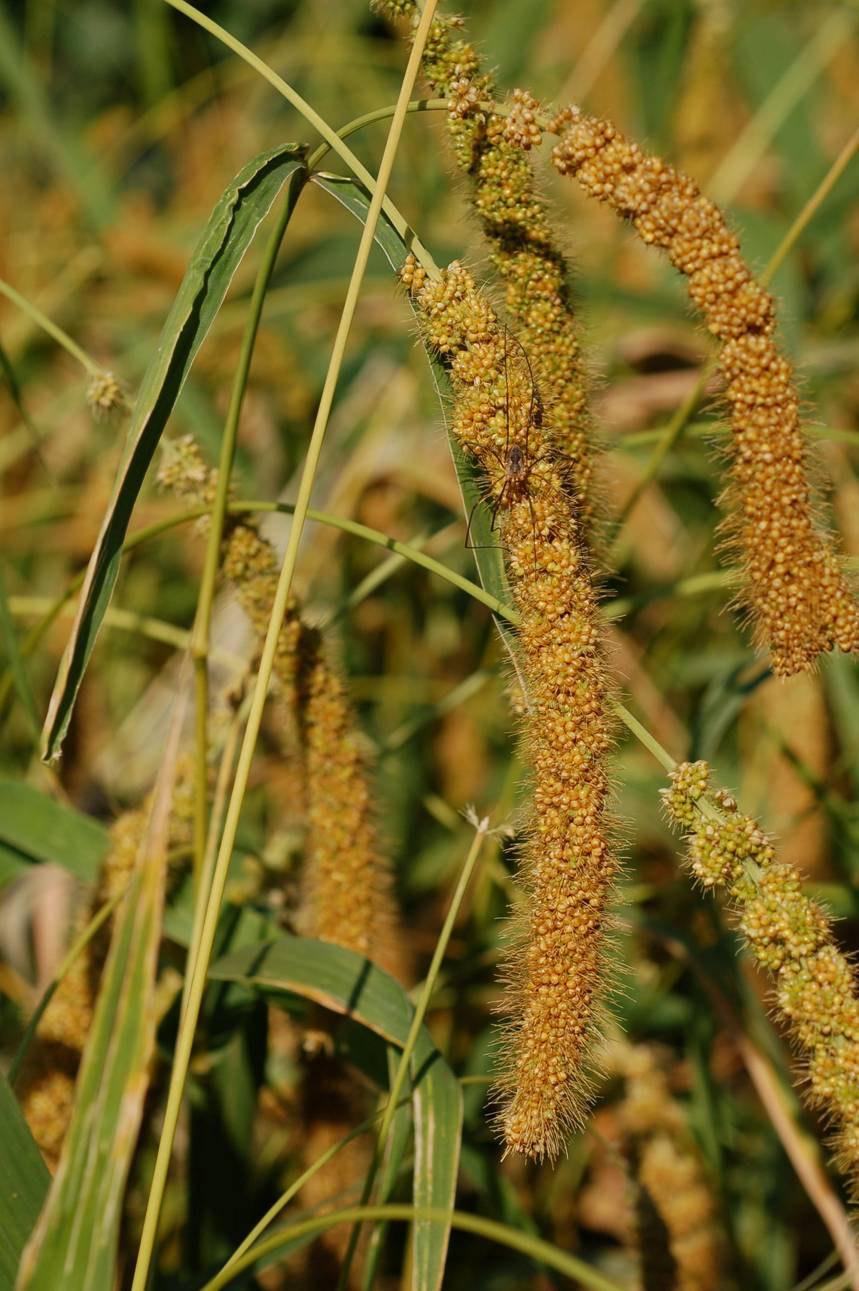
(120, 125)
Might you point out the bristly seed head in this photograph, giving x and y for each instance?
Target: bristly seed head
(558, 969)
(790, 936)
(491, 148)
(799, 599)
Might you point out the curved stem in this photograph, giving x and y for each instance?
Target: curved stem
(417, 1022)
(371, 118)
(200, 635)
(375, 536)
(319, 124)
(539, 1251)
(53, 330)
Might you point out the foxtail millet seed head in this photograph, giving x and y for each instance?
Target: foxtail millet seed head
(557, 971)
(490, 147)
(677, 1224)
(348, 886)
(815, 989)
(799, 600)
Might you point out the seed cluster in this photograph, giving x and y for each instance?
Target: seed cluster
(348, 895)
(799, 599)
(249, 561)
(679, 1241)
(815, 988)
(490, 147)
(348, 892)
(567, 863)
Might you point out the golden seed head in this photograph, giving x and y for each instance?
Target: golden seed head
(557, 971)
(491, 148)
(800, 602)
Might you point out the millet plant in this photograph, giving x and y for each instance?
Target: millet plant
(370, 960)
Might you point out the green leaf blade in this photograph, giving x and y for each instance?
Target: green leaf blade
(347, 983)
(228, 234)
(76, 1238)
(35, 828)
(24, 1181)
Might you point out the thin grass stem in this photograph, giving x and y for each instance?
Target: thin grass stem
(318, 123)
(525, 1243)
(144, 625)
(52, 329)
(372, 118)
(811, 207)
(199, 969)
(200, 635)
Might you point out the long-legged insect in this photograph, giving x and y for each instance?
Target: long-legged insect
(515, 461)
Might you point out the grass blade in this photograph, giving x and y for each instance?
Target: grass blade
(75, 1240)
(438, 1139)
(346, 983)
(24, 1181)
(35, 828)
(228, 234)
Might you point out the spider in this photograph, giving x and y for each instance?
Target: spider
(516, 462)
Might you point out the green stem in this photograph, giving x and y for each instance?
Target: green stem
(405, 550)
(371, 118)
(811, 207)
(412, 1037)
(200, 635)
(53, 330)
(286, 1197)
(644, 737)
(145, 625)
(313, 118)
(525, 1243)
(199, 968)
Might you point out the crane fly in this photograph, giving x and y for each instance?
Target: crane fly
(515, 461)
